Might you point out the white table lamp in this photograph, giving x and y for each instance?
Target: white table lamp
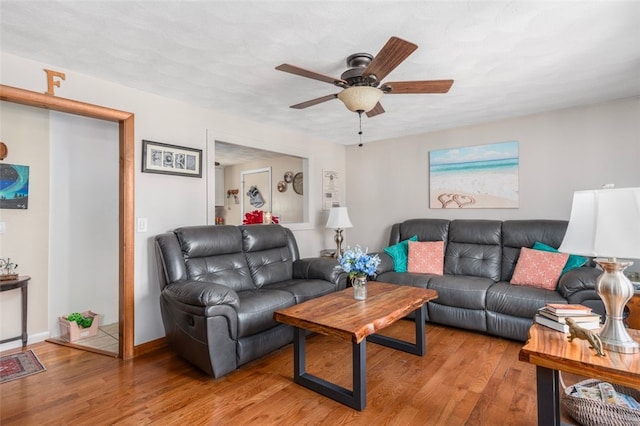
(338, 220)
(606, 223)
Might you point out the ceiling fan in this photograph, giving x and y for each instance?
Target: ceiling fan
(361, 83)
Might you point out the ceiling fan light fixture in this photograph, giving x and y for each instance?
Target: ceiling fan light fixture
(360, 98)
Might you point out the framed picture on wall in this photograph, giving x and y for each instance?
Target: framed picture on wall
(14, 186)
(171, 159)
(475, 177)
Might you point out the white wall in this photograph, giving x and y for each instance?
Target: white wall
(25, 131)
(560, 152)
(168, 201)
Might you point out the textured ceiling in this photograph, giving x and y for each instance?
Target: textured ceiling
(508, 58)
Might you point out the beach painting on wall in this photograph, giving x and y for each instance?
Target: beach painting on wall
(477, 177)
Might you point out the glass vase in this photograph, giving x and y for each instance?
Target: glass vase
(360, 288)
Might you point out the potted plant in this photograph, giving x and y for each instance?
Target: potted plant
(76, 325)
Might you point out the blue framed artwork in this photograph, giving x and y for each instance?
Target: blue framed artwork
(476, 177)
(14, 186)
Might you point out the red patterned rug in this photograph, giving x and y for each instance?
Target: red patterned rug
(18, 365)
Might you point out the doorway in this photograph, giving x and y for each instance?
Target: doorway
(126, 194)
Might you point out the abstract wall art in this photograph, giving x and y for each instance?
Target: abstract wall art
(14, 186)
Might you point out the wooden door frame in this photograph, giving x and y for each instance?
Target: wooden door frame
(126, 197)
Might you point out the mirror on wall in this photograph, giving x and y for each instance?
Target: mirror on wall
(278, 177)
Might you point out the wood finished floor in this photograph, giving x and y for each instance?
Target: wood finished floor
(464, 379)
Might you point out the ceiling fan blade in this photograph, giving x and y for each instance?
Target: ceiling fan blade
(432, 86)
(376, 110)
(313, 102)
(390, 56)
(311, 74)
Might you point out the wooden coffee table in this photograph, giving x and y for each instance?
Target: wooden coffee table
(551, 353)
(340, 315)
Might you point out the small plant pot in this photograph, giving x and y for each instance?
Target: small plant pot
(71, 331)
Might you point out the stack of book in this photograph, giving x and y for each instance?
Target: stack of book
(554, 315)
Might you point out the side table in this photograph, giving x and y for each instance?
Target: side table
(21, 283)
(633, 321)
(551, 353)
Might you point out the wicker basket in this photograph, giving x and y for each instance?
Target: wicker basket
(589, 412)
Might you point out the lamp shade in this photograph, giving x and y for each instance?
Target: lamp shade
(338, 218)
(604, 223)
(360, 98)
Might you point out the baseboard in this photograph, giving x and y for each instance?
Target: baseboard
(151, 346)
(32, 338)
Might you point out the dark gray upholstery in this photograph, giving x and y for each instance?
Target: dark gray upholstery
(221, 284)
(479, 260)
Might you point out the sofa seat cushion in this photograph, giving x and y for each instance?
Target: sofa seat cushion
(304, 289)
(519, 301)
(405, 278)
(255, 313)
(462, 291)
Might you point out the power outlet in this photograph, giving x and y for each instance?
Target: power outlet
(3, 227)
(141, 224)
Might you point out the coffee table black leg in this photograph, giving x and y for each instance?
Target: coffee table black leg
(419, 348)
(355, 399)
(548, 383)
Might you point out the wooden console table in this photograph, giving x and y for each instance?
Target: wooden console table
(551, 353)
(21, 283)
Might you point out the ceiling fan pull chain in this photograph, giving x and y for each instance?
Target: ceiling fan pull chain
(360, 131)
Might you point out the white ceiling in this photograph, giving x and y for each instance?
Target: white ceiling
(508, 58)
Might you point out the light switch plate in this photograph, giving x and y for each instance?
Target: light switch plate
(141, 225)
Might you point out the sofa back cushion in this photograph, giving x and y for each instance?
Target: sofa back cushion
(425, 229)
(525, 233)
(214, 254)
(268, 252)
(473, 248)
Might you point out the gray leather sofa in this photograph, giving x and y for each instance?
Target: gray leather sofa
(221, 284)
(480, 257)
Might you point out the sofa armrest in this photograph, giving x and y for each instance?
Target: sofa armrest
(386, 263)
(577, 280)
(320, 268)
(202, 293)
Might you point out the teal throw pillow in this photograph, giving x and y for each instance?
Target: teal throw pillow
(399, 253)
(573, 262)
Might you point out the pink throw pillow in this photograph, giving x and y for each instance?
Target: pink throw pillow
(540, 269)
(426, 257)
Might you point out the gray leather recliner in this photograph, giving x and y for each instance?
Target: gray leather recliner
(221, 284)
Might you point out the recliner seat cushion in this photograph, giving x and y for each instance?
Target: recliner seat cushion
(519, 301)
(255, 313)
(304, 289)
(461, 291)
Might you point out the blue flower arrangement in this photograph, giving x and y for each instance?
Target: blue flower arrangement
(358, 263)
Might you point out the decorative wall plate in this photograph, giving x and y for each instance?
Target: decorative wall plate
(297, 183)
(288, 177)
(282, 186)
